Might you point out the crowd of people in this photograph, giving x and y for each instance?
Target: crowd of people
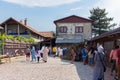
(96, 56)
(37, 54)
(93, 56)
(114, 59)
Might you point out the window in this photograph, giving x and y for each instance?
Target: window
(78, 29)
(9, 31)
(63, 29)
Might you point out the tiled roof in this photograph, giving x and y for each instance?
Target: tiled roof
(72, 19)
(26, 26)
(111, 32)
(46, 34)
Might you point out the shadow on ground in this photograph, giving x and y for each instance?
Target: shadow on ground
(84, 72)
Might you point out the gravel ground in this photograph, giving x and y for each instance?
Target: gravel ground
(54, 69)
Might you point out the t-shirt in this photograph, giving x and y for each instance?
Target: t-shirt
(38, 53)
(113, 54)
(84, 52)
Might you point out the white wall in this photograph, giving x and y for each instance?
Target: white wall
(71, 29)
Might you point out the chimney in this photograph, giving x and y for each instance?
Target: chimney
(25, 21)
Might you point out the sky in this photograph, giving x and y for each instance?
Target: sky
(41, 14)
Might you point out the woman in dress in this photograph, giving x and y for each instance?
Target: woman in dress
(99, 60)
(45, 54)
(33, 53)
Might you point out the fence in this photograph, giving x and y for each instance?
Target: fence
(14, 47)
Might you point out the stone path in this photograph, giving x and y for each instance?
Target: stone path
(54, 69)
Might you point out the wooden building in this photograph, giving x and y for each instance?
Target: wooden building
(109, 40)
(17, 28)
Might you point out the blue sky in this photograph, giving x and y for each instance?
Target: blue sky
(41, 13)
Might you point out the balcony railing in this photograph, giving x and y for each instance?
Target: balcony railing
(17, 33)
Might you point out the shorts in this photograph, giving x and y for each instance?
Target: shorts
(84, 58)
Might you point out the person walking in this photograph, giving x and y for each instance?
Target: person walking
(78, 54)
(43, 47)
(56, 54)
(118, 64)
(99, 60)
(33, 53)
(112, 58)
(60, 52)
(84, 54)
(27, 53)
(73, 54)
(45, 54)
(38, 55)
(90, 56)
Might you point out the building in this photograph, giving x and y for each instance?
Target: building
(108, 40)
(47, 34)
(49, 38)
(18, 28)
(73, 30)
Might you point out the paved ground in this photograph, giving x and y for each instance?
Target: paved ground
(54, 69)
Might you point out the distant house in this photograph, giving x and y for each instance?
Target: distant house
(72, 30)
(49, 38)
(17, 28)
(47, 34)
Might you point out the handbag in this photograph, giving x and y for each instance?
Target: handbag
(104, 67)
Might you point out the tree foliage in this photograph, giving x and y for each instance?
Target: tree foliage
(101, 22)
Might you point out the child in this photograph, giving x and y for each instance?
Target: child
(38, 55)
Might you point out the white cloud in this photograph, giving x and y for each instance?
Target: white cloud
(77, 8)
(41, 3)
(112, 7)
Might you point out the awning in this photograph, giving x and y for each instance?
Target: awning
(64, 40)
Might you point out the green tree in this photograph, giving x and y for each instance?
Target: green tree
(101, 23)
